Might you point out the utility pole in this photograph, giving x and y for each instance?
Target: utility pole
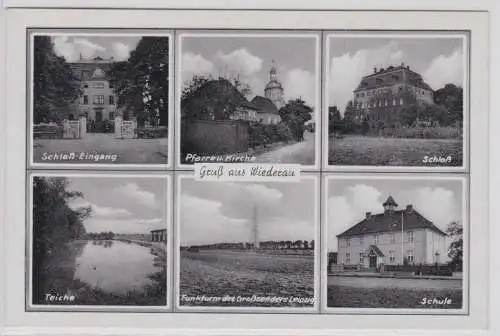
(255, 228)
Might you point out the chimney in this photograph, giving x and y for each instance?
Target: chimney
(368, 214)
(409, 208)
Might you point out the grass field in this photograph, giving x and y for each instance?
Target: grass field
(352, 297)
(375, 151)
(218, 273)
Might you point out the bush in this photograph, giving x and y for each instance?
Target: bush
(152, 132)
(261, 135)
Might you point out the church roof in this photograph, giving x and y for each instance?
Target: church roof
(391, 221)
(273, 84)
(265, 105)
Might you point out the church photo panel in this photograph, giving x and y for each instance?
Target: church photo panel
(248, 96)
(100, 99)
(396, 100)
(99, 242)
(395, 244)
(247, 246)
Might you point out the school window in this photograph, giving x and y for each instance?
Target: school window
(99, 99)
(85, 100)
(348, 241)
(348, 258)
(392, 238)
(411, 238)
(111, 100)
(392, 259)
(361, 240)
(410, 257)
(377, 239)
(361, 257)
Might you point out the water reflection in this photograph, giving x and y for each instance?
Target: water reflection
(115, 266)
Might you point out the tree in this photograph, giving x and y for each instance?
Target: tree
(350, 125)
(456, 250)
(334, 119)
(55, 224)
(208, 99)
(295, 114)
(142, 82)
(450, 97)
(55, 87)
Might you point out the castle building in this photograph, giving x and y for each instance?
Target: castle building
(381, 95)
(389, 237)
(97, 101)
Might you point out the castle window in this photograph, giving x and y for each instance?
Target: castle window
(99, 99)
(394, 101)
(85, 86)
(386, 102)
(401, 101)
(85, 100)
(98, 85)
(111, 100)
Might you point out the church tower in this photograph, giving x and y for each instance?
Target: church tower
(274, 89)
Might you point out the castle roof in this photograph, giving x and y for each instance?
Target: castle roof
(264, 105)
(409, 218)
(392, 75)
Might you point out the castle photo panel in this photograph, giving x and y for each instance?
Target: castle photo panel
(248, 97)
(395, 243)
(396, 99)
(100, 99)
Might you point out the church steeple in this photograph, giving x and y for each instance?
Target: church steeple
(273, 71)
(274, 90)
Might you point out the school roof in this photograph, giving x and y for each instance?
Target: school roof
(391, 221)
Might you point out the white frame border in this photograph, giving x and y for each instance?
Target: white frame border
(429, 34)
(262, 33)
(31, 33)
(327, 178)
(242, 310)
(167, 215)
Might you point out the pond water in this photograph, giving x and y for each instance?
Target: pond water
(115, 266)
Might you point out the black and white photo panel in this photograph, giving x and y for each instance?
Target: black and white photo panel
(396, 99)
(395, 244)
(247, 246)
(99, 241)
(248, 97)
(99, 99)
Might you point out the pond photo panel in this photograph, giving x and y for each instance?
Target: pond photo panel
(99, 241)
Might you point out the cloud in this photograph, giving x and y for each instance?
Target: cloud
(445, 69)
(121, 51)
(436, 204)
(132, 191)
(241, 62)
(263, 193)
(300, 83)
(100, 211)
(195, 64)
(202, 222)
(72, 49)
(347, 70)
(285, 229)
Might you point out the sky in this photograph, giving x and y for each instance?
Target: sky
(440, 201)
(122, 205)
(72, 46)
(438, 60)
(215, 212)
(251, 57)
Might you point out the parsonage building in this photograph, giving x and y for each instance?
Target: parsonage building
(380, 96)
(389, 237)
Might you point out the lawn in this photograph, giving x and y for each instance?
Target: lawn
(220, 273)
(353, 297)
(130, 151)
(377, 151)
